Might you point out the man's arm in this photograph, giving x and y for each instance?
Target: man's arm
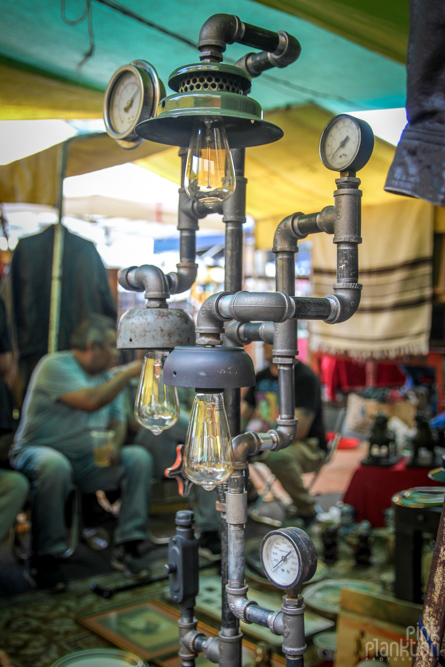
(91, 399)
(305, 418)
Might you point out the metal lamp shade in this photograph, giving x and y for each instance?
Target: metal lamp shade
(213, 368)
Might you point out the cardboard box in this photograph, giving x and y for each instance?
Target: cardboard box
(361, 412)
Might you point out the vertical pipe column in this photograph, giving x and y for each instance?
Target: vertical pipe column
(234, 217)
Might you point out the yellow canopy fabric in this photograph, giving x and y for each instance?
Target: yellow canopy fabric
(35, 179)
(29, 95)
(288, 176)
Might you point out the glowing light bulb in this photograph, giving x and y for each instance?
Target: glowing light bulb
(208, 455)
(157, 405)
(210, 174)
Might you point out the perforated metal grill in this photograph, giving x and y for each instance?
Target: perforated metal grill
(210, 82)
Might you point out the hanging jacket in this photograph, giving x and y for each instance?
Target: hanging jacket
(85, 289)
(418, 168)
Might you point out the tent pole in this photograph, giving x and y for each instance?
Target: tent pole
(57, 268)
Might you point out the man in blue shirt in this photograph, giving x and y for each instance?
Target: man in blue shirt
(72, 393)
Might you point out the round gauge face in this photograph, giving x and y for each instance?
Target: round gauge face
(281, 560)
(132, 96)
(346, 143)
(124, 102)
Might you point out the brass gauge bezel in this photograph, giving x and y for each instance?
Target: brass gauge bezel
(358, 153)
(151, 90)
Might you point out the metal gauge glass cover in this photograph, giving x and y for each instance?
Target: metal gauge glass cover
(132, 95)
(346, 143)
(281, 559)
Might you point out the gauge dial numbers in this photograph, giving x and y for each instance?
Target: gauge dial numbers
(288, 557)
(281, 561)
(132, 95)
(346, 143)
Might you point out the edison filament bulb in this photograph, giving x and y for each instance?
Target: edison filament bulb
(210, 174)
(157, 405)
(208, 455)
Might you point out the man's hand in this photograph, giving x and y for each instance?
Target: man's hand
(133, 369)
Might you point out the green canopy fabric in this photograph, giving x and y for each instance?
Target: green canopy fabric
(352, 53)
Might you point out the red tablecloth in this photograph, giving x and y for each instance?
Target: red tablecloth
(371, 488)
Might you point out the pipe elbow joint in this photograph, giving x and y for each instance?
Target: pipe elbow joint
(209, 320)
(146, 277)
(239, 603)
(345, 302)
(287, 52)
(217, 31)
(286, 235)
(183, 279)
(285, 432)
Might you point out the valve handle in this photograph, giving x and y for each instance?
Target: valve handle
(176, 471)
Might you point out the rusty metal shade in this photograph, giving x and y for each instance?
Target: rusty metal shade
(155, 329)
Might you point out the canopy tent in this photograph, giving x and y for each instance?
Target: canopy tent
(352, 59)
(283, 177)
(352, 56)
(288, 176)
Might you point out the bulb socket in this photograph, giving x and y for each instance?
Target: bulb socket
(209, 367)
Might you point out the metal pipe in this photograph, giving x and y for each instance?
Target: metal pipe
(280, 49)
(251, 306)
(234, 216)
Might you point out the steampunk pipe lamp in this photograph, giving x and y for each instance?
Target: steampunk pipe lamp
(213, 120)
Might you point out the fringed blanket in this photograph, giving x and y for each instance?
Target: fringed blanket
(395, 269)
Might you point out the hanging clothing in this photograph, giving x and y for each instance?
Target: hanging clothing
(418, 168)
(85, 290)
(395, 267)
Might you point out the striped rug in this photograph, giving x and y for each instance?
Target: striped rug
(395, 269)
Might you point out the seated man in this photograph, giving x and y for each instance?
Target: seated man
(72, 393)
(308, 450)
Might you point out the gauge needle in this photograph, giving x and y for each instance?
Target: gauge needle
(342, 143)
(129, 104)
(282, 559)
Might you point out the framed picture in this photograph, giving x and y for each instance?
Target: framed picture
(150, 631)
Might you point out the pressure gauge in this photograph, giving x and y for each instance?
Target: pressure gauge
(288, 557)
(132, 96)
(346, 143)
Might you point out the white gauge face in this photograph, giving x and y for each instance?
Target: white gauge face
(281, 560)
(125, 102)
(340, 143)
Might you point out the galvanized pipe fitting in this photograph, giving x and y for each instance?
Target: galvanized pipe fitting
(294, 644)
(149, 278)
(251, 306)
(280, 49)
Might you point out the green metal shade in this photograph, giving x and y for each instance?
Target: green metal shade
(209, 90)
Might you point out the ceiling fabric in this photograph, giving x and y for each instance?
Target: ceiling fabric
(35, 179)
(379, 25)
(45, 72)
(287, 176)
